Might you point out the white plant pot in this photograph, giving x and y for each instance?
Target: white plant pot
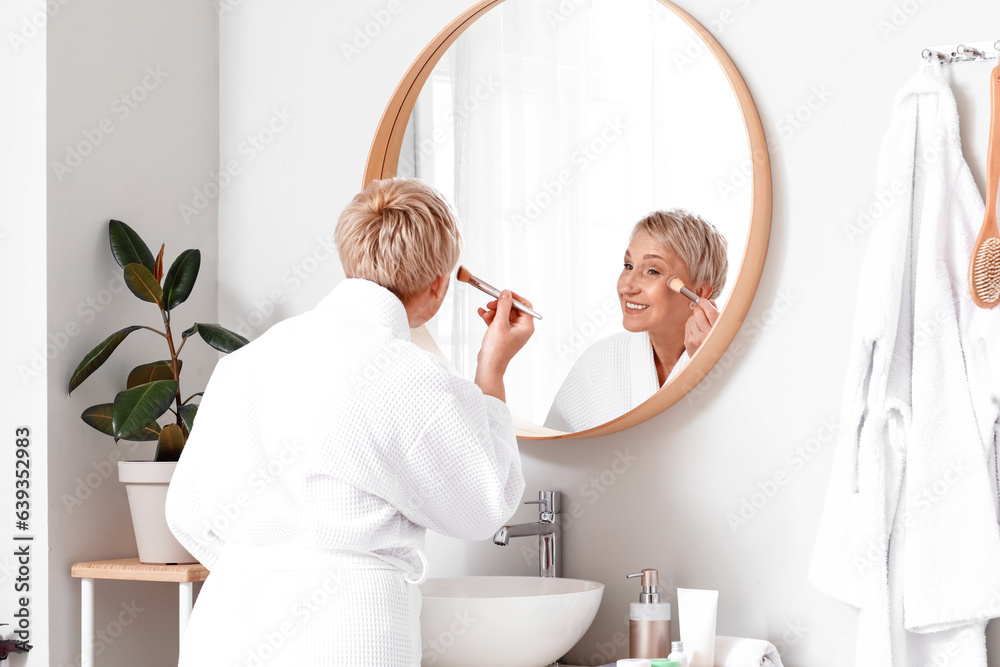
(146, 483)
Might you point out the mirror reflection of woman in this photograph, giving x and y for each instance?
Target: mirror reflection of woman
(662, 328)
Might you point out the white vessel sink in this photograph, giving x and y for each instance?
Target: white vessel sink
(504, 621)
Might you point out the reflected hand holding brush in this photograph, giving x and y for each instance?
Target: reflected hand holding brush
(677, 285)
(465, 276)
(700, 324)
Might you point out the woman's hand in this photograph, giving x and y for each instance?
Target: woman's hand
(507, 330)
(699, 324)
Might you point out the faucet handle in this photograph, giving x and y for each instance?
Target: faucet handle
(548, 502)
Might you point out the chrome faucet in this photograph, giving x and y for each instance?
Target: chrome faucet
(547, 528)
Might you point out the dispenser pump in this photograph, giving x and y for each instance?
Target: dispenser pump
(650, 585)
(649, 619)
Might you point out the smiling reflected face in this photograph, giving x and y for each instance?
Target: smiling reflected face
(647, 303)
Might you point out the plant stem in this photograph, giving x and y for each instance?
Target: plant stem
(156, 331)
(173, 363)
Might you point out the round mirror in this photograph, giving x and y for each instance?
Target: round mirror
(555, 126)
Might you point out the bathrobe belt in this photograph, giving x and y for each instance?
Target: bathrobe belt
(282, 557)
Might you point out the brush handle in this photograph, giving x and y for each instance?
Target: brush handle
(483, 286)
(993, 156)
(694, 297)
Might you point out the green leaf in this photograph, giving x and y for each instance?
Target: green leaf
(188, 413)
(170, 443)
(99, 416)
(158, 370)
(141, 282)
(137, 407)
(127, 247)
(220, 338)
(180, 278)
(150, 431)
(96, 357)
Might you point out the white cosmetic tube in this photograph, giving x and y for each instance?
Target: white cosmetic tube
(698, 609)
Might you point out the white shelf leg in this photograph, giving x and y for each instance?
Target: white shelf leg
(185, 596)
(87, 622)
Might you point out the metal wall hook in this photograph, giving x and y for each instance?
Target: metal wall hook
(962, 53)
(969, 52)
(930, 55)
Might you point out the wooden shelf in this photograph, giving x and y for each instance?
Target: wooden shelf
(130, 569)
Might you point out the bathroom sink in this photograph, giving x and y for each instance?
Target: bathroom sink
(504, 621)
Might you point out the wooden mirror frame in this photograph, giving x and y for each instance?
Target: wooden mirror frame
(383, 161)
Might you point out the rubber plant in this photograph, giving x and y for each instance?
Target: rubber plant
(151, 388)
(11, 646)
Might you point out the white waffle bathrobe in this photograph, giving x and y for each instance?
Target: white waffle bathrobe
(613, 376)
(909, 530)
(321, 453)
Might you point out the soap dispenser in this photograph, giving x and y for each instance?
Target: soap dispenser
(649, 619)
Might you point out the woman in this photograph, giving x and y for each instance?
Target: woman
(662, 328)
(324, 449)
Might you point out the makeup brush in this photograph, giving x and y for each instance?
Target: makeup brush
(465, 277)
(677, 285)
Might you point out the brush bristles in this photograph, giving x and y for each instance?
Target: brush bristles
(675, 284)
(463, 274)
(986, 271)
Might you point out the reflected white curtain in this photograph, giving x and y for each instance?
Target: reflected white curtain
(553, 133)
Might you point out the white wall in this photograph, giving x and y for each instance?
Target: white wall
(695, 464)
(22, 272)
(134, 87)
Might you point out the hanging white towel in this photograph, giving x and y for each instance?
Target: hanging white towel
(909, 530)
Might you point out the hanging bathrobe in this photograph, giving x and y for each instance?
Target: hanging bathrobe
(613, 376)
(321, 453)
(909, 529)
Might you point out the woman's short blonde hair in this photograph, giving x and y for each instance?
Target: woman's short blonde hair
(400, 233)
(694, 240)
